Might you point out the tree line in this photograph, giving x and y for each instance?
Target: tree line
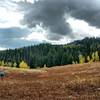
(86, 50)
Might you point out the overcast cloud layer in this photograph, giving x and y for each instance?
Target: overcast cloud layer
(54, 13)
(28, 22)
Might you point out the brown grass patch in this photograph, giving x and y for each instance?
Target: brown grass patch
(71, 82)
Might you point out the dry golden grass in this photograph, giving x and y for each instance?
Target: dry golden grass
(70, 82)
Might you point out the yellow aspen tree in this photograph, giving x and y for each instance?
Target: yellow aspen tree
(23, 65)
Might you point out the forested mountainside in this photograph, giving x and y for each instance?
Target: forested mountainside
(52, 55)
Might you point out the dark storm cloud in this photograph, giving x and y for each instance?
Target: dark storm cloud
(87, 10)
(51, 13)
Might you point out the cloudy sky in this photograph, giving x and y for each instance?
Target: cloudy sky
(29, 22)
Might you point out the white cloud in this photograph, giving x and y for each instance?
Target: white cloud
(1, 48)
(39, 34)
(9, 18)
(83, 29)
(64, 40)
(35, 36)
(31, 1)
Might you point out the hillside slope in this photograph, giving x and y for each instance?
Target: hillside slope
(51, 55)
(69, 82)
